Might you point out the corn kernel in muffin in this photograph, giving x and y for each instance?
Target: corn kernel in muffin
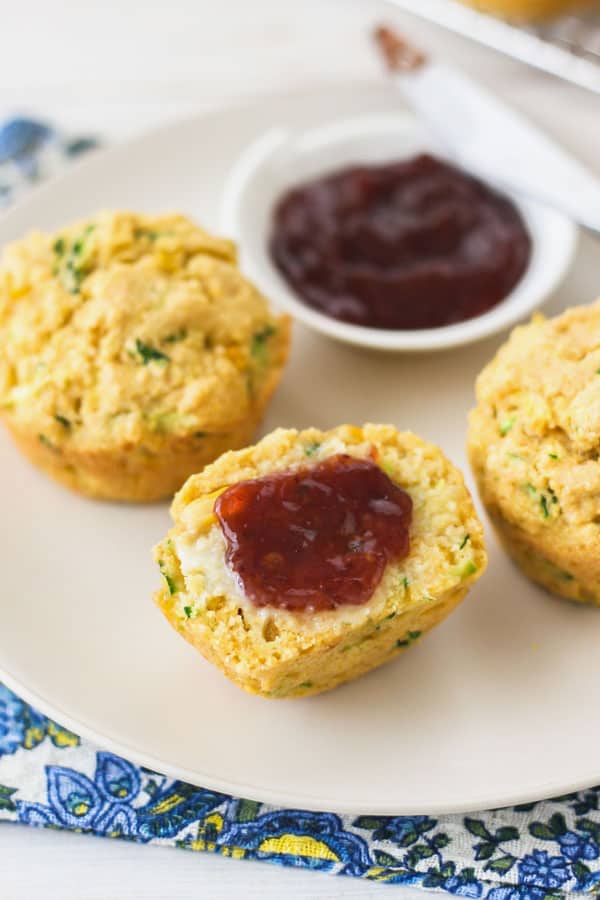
(132, 352)
(323, 591)
(534, 444)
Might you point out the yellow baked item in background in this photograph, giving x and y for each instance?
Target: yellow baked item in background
(534, 444)
(279, 653)
(132, 352)
(521, 10)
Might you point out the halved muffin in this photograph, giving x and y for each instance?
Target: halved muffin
(273, 644)
(132, 352)
(534, 444)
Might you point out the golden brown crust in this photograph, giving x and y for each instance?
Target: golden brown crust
(131, 473)
(372, 646)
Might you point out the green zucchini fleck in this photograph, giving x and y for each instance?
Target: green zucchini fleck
(311, 449)
(73, 268)
(408, 639)
(72, 277)
(541, 498)
(188, 611)
(171, 583)
(506, 425)
(46, 442)
(148, 353)
(145, 232)
(66, 423)
(305, 684)
(258, 345)
(177, 336)
(464, 541)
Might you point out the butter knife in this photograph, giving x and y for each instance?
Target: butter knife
(488, 137)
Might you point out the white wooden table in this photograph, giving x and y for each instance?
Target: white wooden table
(121, 66)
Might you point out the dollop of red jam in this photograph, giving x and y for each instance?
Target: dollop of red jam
(315, 538)
(410, 244)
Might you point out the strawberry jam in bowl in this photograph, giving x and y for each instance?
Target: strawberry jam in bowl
(409, 244)
(366, 232)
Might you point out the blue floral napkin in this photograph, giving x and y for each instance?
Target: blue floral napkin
(32, 150)
(51, 778)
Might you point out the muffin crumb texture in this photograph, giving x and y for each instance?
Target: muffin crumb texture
(132, 352)
(534, 444)
(281, 653)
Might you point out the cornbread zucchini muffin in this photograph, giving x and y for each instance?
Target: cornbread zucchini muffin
(534, 444)
(290, 594)
(132, 352)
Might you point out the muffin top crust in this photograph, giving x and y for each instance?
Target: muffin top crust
(535, 433)
(128, 327)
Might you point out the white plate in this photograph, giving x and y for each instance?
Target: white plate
(495, 707)
(282, 158)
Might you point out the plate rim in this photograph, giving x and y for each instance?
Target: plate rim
(286, 799)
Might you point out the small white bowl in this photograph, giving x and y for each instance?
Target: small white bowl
(282, 158)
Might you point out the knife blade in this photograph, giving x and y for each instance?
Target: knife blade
(493, 140)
